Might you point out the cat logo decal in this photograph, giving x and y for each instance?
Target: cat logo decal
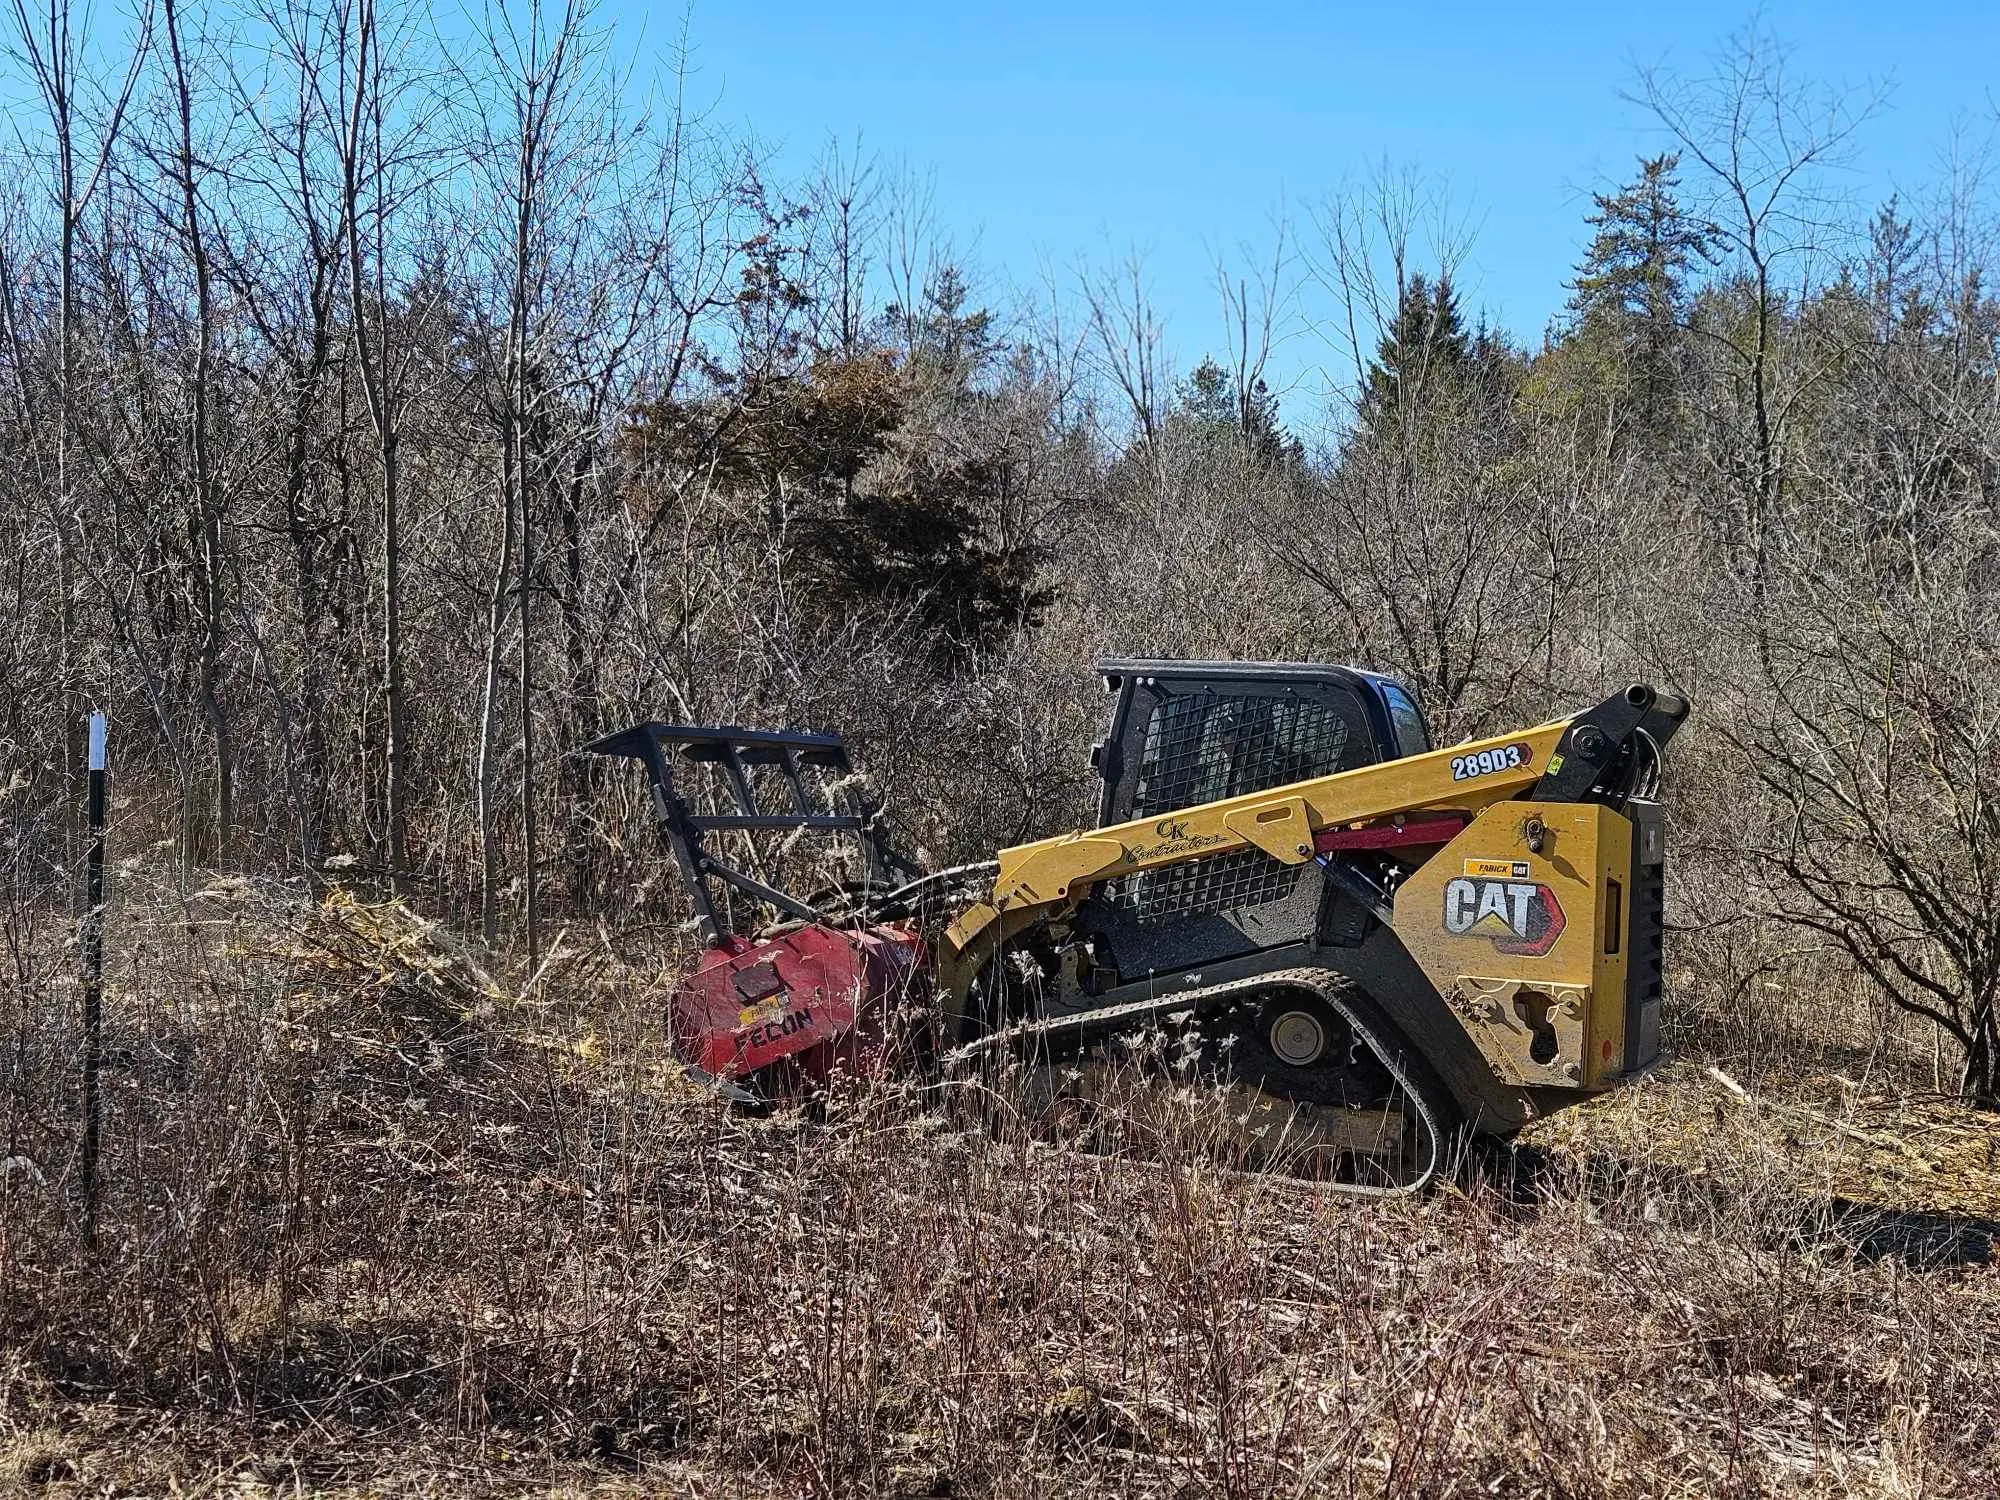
(1521, 917)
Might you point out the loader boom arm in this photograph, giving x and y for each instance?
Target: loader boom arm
(1283, 821)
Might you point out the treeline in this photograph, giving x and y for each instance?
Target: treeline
(388, 413)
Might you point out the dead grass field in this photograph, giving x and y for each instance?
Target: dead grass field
(378, 1223)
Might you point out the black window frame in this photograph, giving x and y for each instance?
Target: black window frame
(1393, 692)
(1140, 685)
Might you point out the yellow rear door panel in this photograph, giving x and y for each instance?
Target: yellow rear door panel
(1520, 924)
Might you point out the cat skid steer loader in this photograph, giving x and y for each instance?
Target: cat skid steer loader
(1391, 944)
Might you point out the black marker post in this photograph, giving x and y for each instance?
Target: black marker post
(93, 973)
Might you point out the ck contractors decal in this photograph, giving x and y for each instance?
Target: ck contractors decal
(1174, 839)
(1521, 917)
(1487, 762)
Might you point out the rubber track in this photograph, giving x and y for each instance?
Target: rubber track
(1329, 986)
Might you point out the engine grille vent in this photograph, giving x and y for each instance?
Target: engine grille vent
(1225, 882)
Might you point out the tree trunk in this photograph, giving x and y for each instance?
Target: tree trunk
(1979, 1082)
(489, 715)
(395, 786)
(211, 566)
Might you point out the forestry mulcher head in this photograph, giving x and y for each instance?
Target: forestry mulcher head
(1390, 943)
(789, 987)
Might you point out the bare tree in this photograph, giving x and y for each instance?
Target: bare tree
(288, 276)
(384, 149)
(1877, 740)
(1423, 528)
(186, 171)
(83, 135)
(1127, 340)
(914, 246)
(563, 292)
(1258, 308)
(847, 195)
(1764, 145)
(1374, 238)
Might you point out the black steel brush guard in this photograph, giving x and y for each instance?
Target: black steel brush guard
(797, 756)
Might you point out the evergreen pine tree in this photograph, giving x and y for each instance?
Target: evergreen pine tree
(1894, 290)
(1632, 289)
(1209, 398)
(1425, 348)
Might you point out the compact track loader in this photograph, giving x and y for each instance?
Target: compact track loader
(1389, 943)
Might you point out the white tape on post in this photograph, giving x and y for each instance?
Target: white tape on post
(97, 735)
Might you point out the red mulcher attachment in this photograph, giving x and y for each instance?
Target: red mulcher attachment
(808, 1000)
(781, 1009)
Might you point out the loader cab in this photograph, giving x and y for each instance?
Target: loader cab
(1188, 732)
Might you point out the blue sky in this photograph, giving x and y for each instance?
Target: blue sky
(1055, 131)
(1094, 127)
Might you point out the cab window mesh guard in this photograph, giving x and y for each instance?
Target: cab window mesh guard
(1201, 748)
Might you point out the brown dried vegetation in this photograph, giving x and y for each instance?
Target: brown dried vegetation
(375, 1224)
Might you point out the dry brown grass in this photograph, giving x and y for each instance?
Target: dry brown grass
(376, 1223)
(1813, 1138)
